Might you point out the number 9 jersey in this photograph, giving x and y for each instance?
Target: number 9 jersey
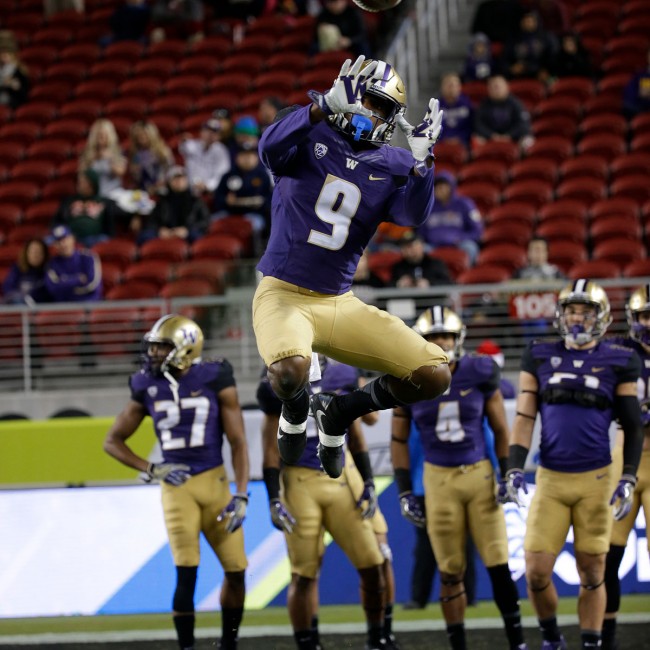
(186, 416)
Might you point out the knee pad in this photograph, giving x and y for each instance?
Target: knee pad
(185, 585)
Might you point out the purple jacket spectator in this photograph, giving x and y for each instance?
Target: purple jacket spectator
(25, 282)
(458, 113)
(72, 275)
(454, 220)
(479, 64)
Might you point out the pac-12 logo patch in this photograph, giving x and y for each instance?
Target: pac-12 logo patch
(153, 391)
(556, 361)
(320, 150)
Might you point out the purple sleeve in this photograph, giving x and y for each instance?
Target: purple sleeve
(279, 141)
(413, 203)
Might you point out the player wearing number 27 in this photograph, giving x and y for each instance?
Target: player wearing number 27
(337, 178)
(193, 405)
(578, 385)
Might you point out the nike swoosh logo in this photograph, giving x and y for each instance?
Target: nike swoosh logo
(195, 393)
(376, 178)
(319, 416)
(597, 369)
(466, 392)
(599, 476)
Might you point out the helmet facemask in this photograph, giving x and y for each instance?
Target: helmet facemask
(593, 326)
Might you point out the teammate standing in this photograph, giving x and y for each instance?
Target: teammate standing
(193, 404)
(638, 339)
(578, 385)
(337, 179)
(459, 482)
(311, 503)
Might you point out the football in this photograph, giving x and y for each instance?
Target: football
(376, 5)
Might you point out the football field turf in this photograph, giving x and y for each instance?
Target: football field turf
(341, 628)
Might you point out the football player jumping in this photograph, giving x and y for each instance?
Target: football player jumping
(460, 491)
(578, 385)
(193, 405)
(337, 178)
(638, 318)
(310, 503)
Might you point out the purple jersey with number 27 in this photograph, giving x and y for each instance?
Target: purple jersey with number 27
(330, 196)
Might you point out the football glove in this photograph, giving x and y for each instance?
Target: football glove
(281, 518)
(516, 481)
(345, 94)
(369, 495)
(623, 496)
(172, 473)
(411, 509)
(235, 512)
(422, 137)
(502, 492)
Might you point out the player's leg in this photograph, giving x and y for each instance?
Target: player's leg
(591, 598)
(487, 526)
(366, 337)
(424, 569)
(372, 601)
(300, 606)
(233, 593)
(284, 335)
(389, 581)
(547, 525)
(183, 523)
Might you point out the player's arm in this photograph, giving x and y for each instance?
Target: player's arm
(233, 425)
(496, 415)
(124, 426)
(359, 449)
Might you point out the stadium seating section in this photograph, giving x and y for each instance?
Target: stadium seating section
(582, 185)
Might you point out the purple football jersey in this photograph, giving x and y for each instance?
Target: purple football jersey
(329, 198)
(451, 426)
(576, 396)
(337, 377)
(644, 379)
(188, 425)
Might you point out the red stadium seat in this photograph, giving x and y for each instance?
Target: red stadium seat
(73, 130)
(640, 124)
(201, 64)
(451, 152)
(604, 10)
(129, 51)
(559, 106)
(190, 86)
(177, 104)
(637, 269)
(508, 232)
(156, 271)
(248, 65)
(626, 43)
(603, 104)
(586, 189)
(381, 263)
(57, 37)
(87, 110)
(563, 210)
(172, 250)
(555, 125)
(39, 111)
(635, 187)
(71, 72)
(274, 24)
(11, 152)
(555, 148)
(622, 251)
(484, 274)
(510, 256)
(623, 63)
(456, 259)
(622, 207)
(172, 48)
(219, 99)
(22, 132)
(54, 150)
(80, 52)
(511, 212)
(58, 189)
(605, 123)
(614, 227)
(10, 215)
(613, 84)
(566, 254)
(236, 226)
(316, 79)
(25, 231)
(570, 230)
(187, 287)
(58, 333)
(528, 91)
(490, 171)
(534, 192)
(133, 291)
(9, 254)
(580, 88)
(595, 28)
(217, 47)
(101, 90)
(21, 193)
(596, 269)
(640, 142)
(121, 252)
(602, 144)
(298, 40)
(630, 164)
(111, 276)
(584, 166)
(221, 247)
(503, 151)
(533, 169)
(115, 331)
(289, 62)
(41, 213)
(215, 271)
(133, 108)
(159, 67)
(144, 87)
(485, 195)
(475, 90)
(34, 171)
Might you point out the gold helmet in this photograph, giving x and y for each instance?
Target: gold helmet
(638, 303)
(390, 94)
(584, 292)
(182, 334)
(442, 320)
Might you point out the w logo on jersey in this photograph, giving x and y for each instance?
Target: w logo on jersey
(320, 150)
(351, 164)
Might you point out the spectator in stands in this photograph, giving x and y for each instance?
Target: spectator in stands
(500, 115)
(479, 62)
(222, 115)
(89, 216)
(267, 110)
(530, 52)
(538, 267)
(416, 269)
(340, 26)
(25, 283)
(206, 158)
(458, 113)
(245, 131)
(177, 19)
(149, 157)
(72, 275)
(239, 9)
(178, 212)
(246, 190)
(636, 95)
(454, 221)
(103, 155)
(14, 79)
(129, 22)
(497, 19)
(572, 59)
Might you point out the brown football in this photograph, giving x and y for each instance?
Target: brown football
(376, 5)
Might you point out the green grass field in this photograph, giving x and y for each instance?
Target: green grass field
(631, 604)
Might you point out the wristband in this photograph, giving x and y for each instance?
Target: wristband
(271, 477)
(503, 466)
(517, 457)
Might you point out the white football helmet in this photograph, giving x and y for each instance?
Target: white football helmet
(585, 292)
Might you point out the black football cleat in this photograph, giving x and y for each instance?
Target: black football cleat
(331, 458)
(291, 446)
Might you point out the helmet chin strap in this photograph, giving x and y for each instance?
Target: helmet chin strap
(173, 384)
(360, 123)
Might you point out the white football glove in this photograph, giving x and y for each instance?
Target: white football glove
(172, 473)
(345, 94)
(422, 137)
